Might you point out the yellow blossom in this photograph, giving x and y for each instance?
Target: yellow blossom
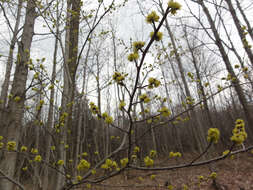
(148, 161)
(23, 148)
(17, 99)
(124, 162)
(84, 154)
(94, 108)
(83, 165)
(122, 105)
(118, 77)
(239, 133)
(93, 172)
(11, 146)
(152, 17)
(37, 158)
(133, 57)
(153, 83)
(60, 162)
(152, 177)
(152, 153)
(109, 120)
(79, 178)
(213, 135)
(164, 111)
(1, 145)
(138, 45)
(174, 6)
(136, 149)
(225, 152)
(201, 178)
(158, 37)
(213, 175)
(34, 151)
(144, 98)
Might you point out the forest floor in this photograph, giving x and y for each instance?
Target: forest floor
(232, 174)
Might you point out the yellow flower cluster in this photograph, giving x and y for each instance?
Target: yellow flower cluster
(138, 45)
(213, 175)
(94, 108)
(152, 153)
(133, 57)
(225, 153)
(153, 83)
(109, 165)
(175, 154)
(190, 75)
(23, 148)
(37, 158)
(79, 178)
(213, 135)
(152, 177)
(124, 162)
(11, 146)
(136, 149)
(39, 106)
(164, 111)
(60, 162)
(118, 77)
(34, 151)
(201, 178)
(148, 161)
(122, 105)
(144, 98)
(158, 36)
(189, 100)
(17, 99)
(174, 6)
(239, 133)
(108, 119)
(84, 154)
(152, 17)
(83, 165)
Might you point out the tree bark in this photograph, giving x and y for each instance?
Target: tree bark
(15, 109)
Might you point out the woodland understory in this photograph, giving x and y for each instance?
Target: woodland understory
(140, 94)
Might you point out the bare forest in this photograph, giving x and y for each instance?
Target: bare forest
(126, 94)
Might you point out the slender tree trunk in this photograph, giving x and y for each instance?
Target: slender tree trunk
(200, 135)
(5, 86)
(227, 63)
(15, 109)
(249, 27)
(50, 118)
(240, 31)
(70, 67)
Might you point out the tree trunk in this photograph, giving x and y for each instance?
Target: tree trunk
(240, 31)
(229, 68)
(5, 86)
(50, 118)
(15, 109)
